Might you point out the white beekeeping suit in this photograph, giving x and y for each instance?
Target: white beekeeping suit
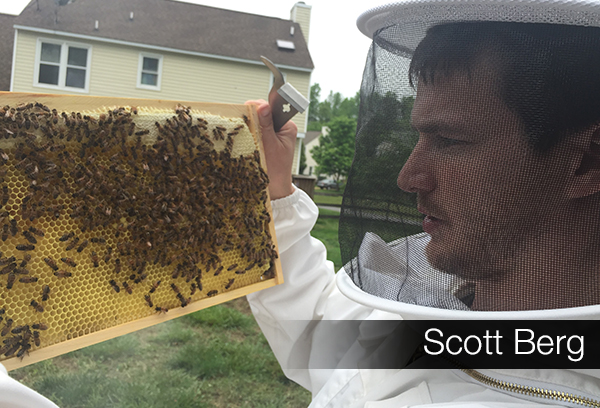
(482, 116)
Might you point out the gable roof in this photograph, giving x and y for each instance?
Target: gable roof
(7, 34)
(310, 136)
(175, 25)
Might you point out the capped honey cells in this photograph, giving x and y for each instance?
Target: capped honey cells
(121, 213)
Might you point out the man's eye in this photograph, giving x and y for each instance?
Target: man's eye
(445, 141)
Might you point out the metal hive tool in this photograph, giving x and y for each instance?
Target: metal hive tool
(117, 214)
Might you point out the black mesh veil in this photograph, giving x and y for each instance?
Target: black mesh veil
(476, 178)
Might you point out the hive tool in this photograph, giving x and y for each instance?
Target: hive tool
(284, 99)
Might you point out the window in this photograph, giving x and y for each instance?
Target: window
(62, 65)
(150, 67)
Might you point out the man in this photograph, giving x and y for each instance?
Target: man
(506, 172)
(500, 208)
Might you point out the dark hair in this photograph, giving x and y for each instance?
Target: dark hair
(548, 74)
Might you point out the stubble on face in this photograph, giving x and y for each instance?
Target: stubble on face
(493, 194)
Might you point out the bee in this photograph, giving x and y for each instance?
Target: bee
(25, 260)
(8, 268)
(67, 236)
(108, 254)
(127, 288)
(175, 288)
(24, 349)
(38, 308)
(63, 274)
(7, 327)
(51, 263)
(193, 289)
(212, 293)
(36, 338)
(240, 272)
(25, 247)
(69, 262)
(232, 267)
(184, 302)
(134, 110)
(148, 300)
(45, 293)
(28, 279)
(154, 286)
(114, 285)
(36, 231)
(20, 329)
(98, 240)
(72, 244)
(238, 127)
(39, 326)
(5, 232)
(117, 265)
(5, 195)
(94, 258)
(29, 236)
(83, 245)
(13, 227)
(229, 283)
(161, 309)
(12, 350)
(11, 280)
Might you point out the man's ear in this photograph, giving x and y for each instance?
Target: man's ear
(586, 180)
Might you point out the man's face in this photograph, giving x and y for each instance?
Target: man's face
(486, 194)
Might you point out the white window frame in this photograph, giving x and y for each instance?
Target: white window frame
(62, 70)
(159, 73)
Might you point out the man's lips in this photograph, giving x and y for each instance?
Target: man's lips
(430, 222)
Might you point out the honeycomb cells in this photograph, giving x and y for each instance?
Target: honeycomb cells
(110, 216)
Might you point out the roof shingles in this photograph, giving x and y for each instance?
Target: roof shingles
(173, 24)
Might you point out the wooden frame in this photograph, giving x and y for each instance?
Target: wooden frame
(85, 103)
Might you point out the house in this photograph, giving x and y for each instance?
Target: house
(310, 140)
(158, 49)
(6, 49)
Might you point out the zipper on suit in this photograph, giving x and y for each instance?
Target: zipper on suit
(572, 399)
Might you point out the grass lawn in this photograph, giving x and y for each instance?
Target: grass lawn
(213, 358)
(326, 230)
(327, 199)
(216, 357)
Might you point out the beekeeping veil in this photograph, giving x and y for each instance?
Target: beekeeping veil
(473, 185)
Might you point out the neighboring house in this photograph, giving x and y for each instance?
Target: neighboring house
(158, 49)
(6, 49)
(310, 140)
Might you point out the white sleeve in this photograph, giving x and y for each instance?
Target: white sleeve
(308, 293)
(13, 394)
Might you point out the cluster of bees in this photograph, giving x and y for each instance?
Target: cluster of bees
(159, 207)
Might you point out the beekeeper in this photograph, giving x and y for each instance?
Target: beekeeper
(500, 153)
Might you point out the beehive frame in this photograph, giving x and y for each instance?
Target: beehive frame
(192, 149)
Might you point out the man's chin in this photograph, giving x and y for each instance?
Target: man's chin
(457, 261)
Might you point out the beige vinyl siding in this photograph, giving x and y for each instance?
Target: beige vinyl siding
(301, 14)
(114, 70)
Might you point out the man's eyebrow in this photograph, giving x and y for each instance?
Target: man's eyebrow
(430, 127)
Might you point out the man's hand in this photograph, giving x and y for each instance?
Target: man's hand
(279, 150)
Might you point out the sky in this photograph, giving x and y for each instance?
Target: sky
(336, 46)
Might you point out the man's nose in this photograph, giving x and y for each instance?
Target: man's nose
(417, 174)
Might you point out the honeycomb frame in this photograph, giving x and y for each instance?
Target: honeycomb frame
(177, 191)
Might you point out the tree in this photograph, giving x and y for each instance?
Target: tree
(313, 107)
(335, 151)
(334, 106)
(302, 164)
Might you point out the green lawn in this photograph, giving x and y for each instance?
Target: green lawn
(328, 199)
(213, 358)
(216, 357)
(326, 230)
